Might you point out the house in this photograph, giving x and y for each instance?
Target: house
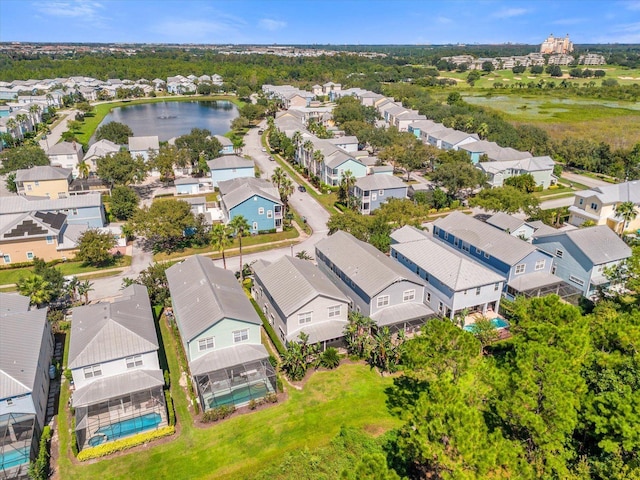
(229, 167)
(220, 332)
(404, 119)
(66, 155)
(493, 151)
(408, 233)
(44, 181)
(348, 143)
(144, 146)
(540, 168)
(296, 297)
(582, 256)
(227, 145)
(376, 286)
(525, 269)
(100, 149)
(339, 162)
(113, 357)
(455, 140)
(187, 185)
(599, 205)
(453, 282)
(26, 348)
(512, 225)
(257, 200)
(374, 190)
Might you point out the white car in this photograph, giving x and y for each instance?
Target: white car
(264, 149)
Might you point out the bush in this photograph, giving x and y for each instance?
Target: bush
(252, 404)
(74, 440)
(330, 358)
(167, 378)
(170, 410)
(68, 375)
(279, 385)
(553, 187)
(273, 361)
(39, 468)
(124, 444)
(271, 230)
(218, 413)
(271, 398)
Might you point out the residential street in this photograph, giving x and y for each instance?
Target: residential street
(58, 130)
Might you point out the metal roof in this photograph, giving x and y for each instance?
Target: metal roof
(505, 222)
(107, 331)
(379, 182)
(229, 161)
(42, 174)
(137, 144)
(403, 312)
(203, 294)
(224, 141)
(292, 283)
(101, 148)
(408, 233)
(600, 244)
(12, 302)
(234, 192)
(228, 357)
(105, 388)
(532, 164)
(319, 332)
(523, 283)
(452, 268)
(489, 239)
(621, 192)
(24, 204)
(65, 148)
(361, 262)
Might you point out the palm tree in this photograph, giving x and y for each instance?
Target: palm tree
(34, 110)
(240, 226)
(318, 159)
(278, 177)
(72, 288)
(220, 240)
(49, 98)
(626, 211)
(483, 130)
(303, 255)
(296, 139)
(22, 119)
(12, 126)
(286, 190)
(238, 143)
(347, 182)
(36, 288)
(307, 148)
(83, 169)
(84, 288)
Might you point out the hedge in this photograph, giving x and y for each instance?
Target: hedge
(39, 468)
(170, 410)
(124, 444)
(268, 328)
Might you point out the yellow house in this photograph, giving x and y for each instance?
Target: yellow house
(44, 181)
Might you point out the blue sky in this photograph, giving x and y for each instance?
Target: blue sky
(311, 21)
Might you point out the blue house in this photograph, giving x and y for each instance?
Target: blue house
(374, 190)
(229, 167)
(582, 256)
(227, 145)
(525, 269)
(338, 163)
(80, 209)
(257, 200)
(187, 186)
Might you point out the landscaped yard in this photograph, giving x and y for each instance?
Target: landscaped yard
(352, 395)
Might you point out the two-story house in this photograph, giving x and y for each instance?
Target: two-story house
(582, 256)
(374, 190)
(66, 155)
(518, 227)
(376, 286)
(144, 146)
(229, 167)
(540, 168)
(44, 181)
(599, 205)
(98, 150)
(226, 143)
(296, 297)
(26, 347)
(220, 332)
(113, 357)
(256, 199)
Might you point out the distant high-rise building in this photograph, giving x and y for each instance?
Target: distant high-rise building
(557, 45)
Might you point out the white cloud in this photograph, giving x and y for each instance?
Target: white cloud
(442, 19)
(272, 25)
(87, 9)
(510, 12)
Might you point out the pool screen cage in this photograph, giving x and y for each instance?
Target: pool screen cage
(94, 419)
(236, 385)
(16, 441)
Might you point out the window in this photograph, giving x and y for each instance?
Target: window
(269, 214)
(75, 211)
(304, 318)
(540, 264)
(92, 371)
(255, 199)
(428, 297)
(559, 253)
(241, 335)
(520, 268)
(581, 201)
(478, 291)
(261, 211)
(436, 230)
(456, 242)
(594, 206)
(37, 183)
(135, 361)
(272, 319)
(29, 187)
(577, 280)
(381, 192)
(255, 225)
(496, 286)
(374, 197)
(49, 239)
(446, 235)
(408, 295)
(553, 269)
(206, 344)
(282, 335)
(334, 311)
(383, 301)
(440, 307)
(29, 255)
(478, 251)
(486, 255)
(7, 258)
(465, 247)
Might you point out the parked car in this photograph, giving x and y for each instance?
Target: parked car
(302, 188)
(271, 158)
(260, 132)
(264, 149)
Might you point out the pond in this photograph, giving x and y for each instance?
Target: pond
(173, 119)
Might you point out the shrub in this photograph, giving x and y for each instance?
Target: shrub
(68, 375)
(124, 443)
(252, 404)
(74, 440)
(273, 361)
(39, 468)
(279, 385)
(167, 378)
(271, 398)
(170, 410)
(218, 413)
(330, 358)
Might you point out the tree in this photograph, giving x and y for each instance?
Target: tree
(525, 183)
(240, 226)
(84, 287)
(10, 183)
(286, 190)
(457, 176)
(278, 177)
(505, 199)
(167, 157)
(124, 201)
(154, 278)
(114, 131)
(372, 466)
(121, 168)
(94, 247)
(36, 288)
(488, 66)
(303, 255)
(627, 211)
(164, 223)
(485, 331)
(252, 112)
(50, 274)
(347, 182)
(220, 240)
(83, 169)
(200, 147)
(24, 157)
(298, 356)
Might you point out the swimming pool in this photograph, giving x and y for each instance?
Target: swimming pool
(240, 395)
(497, 322)
(125, 428)
(12, 458)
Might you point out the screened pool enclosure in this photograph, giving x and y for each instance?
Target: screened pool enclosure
(16, 441)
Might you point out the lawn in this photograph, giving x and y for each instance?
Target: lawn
(353, 395)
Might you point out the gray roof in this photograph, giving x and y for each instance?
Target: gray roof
(600, 244)
(408, 233)
(505, 222)
(319, 332)
(452, 268)
(22, 204)
(193, 200)
(105, 388)
(22, 336)
(224, 141)
(403, 312)
(137, 144)
(457, 136)
(523, 283)
(346, 140)
(292, 283)
(621, 192)
(42, 173)
(101, 148)
(228, 357)
(361, 262)
(338, 158)
(234, 192)
(108, 331)
(203, 294)
(498, 244)
(12, 302)
(379, 182)
(65, 148)
(187, 181)
(541, 228)
(228, 162)
(532, 164)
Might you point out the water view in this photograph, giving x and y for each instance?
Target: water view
(172, 119)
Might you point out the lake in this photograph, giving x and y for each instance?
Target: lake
(173, 119)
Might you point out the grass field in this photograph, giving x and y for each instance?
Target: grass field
(353, 395)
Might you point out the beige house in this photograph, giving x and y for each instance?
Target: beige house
(599, 206)
(66, 155)
(44, 181)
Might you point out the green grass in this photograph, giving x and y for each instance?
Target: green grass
(352, 395)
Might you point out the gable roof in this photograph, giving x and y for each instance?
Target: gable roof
(505, 222)
(452, 268)
(101, 148)
(532, 164)
(228, 162)
(234, 192)
(224, 141)
(361, 262)
(292, 283)
(489, 239)
(65, 148)
(621, 192)
(108, 331)
(379, 182)
(408, 233)
(599, 243)
(23, 204)
(137, 144)
(42, 174)
(12, 302)
(203, 294)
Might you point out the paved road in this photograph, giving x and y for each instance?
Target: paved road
(59, 129)
(584, 180)
(557, 203)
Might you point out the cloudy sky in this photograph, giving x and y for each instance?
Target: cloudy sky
(324, 22)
